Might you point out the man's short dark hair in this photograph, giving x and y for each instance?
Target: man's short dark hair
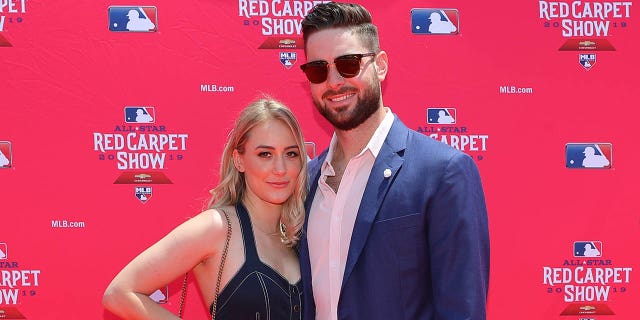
(342, 15)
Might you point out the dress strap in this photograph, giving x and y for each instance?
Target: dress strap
(251, 253)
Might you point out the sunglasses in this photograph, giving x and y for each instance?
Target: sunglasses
(348, 66)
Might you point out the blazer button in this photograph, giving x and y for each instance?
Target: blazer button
(296, 308)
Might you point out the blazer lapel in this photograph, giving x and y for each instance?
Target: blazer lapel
(391, 157)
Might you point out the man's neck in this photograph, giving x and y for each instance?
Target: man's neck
(350, 143)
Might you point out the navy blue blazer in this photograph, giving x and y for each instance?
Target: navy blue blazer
(420, 243)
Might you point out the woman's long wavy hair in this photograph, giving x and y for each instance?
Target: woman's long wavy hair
(232, 186)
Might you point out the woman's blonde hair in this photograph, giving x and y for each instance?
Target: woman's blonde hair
(232, 186)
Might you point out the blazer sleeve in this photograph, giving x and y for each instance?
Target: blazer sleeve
(459, 242)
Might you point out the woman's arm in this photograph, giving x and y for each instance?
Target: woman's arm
(178, 252)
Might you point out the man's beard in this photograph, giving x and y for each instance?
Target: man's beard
(349, 119)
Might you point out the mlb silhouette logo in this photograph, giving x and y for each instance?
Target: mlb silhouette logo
(589, 155)
(133, 19)
(587, 60)
(435, 21)
(144, 193)
(6, 155)
(310, 147)
(587, 249)
(160, 296)
(3, 251)
(139, 114)
(441, 115)
(288, 59)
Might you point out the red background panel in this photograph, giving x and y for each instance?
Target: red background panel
(66, 76)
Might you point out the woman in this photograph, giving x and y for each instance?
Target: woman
(262, 189)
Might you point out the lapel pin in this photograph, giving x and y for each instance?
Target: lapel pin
(387, 173)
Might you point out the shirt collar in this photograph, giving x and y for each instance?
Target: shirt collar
(375, 144)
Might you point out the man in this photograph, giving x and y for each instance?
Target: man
(397, 223)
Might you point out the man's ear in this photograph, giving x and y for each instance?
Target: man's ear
(382, 65)
(237, 161)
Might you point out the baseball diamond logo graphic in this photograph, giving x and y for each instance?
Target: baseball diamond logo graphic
(139, 114)
(144, 193)
(587, 60)
(441, 115)
(288, 59)
(133, 19)
(435, 21)
(587, 249)
(588, 155)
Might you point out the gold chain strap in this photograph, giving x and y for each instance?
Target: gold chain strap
(222, 260)
(183, 295)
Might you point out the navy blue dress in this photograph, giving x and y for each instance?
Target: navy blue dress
(257, 291)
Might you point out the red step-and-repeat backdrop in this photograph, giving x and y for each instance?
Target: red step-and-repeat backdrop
(114, 115)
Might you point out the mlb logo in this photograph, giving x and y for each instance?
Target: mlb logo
(3, 251)
(587, 249)
(133, 19)
(160, 296)
(310, 147)
(587, 60)
(6, 155)
(441, 115)
(435, 21)
(288, 59)
(588, 155)
(144, 193)
(139, 114)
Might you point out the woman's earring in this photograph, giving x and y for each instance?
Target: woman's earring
(237, 163)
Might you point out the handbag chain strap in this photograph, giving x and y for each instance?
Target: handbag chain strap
(222, 260)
